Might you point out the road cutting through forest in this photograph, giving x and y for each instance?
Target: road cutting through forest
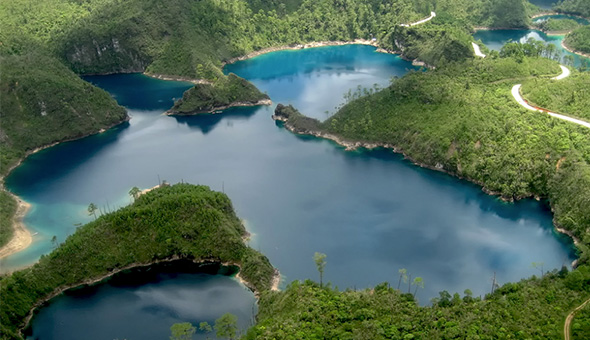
(520, 100)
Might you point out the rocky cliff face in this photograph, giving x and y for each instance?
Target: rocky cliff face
(104, 56)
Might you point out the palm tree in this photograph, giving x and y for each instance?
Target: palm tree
(403, 275)
(418, 282)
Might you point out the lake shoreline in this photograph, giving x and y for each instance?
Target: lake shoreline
(251, 55)
(103, 278)
(20, 229)
(21, 238)
(217, 109)
(177, 78)
(354, 145)
(565, 47)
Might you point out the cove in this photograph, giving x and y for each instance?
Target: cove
(371, 212)
(561, 16)
(144, 303)
(495, 39)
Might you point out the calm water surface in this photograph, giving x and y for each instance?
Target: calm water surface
(561, 16)
(495, 39)
(546, 4)
(370, 212)
(144, 304)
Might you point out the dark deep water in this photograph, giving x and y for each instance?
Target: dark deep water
(371, 212)
(143, 304)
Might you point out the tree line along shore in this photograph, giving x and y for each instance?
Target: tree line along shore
(447, 119)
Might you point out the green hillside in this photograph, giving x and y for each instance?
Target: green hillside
(179, 222)
(530, 309)
(226, 91)
(579, 40)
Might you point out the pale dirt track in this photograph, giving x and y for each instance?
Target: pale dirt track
(432, 15)
(518, 97)
(570, 317)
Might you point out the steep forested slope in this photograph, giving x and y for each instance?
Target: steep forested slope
(43, 102)
(579, 7)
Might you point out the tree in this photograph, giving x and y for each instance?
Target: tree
(226, 326)
(205, 327)
(468, 295)
(182, 331)
(92, 209)
(134, 192)
(418, 282)
(54, 241)
(320, 262)
(403, 275)
(539, 266)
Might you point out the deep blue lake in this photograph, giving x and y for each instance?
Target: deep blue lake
(371, 212)
(143, 304)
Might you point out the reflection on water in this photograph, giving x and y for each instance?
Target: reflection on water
(207, 122)
(371, 212)
(495, 39)
(144, 303)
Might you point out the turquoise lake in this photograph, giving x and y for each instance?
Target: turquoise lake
(561, 16)
(371, 212)
(495, 39)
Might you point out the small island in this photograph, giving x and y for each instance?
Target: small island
(225, 92)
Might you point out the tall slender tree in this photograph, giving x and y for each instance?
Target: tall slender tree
(320, 262)
(403, 275)
(92, 209)
(418, 282)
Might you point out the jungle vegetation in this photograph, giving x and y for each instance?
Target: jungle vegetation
(533, 308)
(223, 92)
(578, 7)
(570, 96)
(7, 211)
(558, 25)
(172, 222)
(579, 39)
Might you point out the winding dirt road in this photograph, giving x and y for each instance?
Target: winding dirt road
(570, 317)
(432, 15)
(518, 97)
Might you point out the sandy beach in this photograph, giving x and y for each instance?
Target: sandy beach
(22, 237)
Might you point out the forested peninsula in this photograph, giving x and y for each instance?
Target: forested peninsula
(170, 223)
(459, 118)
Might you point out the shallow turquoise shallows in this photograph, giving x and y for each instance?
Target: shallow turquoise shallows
(371, 212)
(495, 39)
